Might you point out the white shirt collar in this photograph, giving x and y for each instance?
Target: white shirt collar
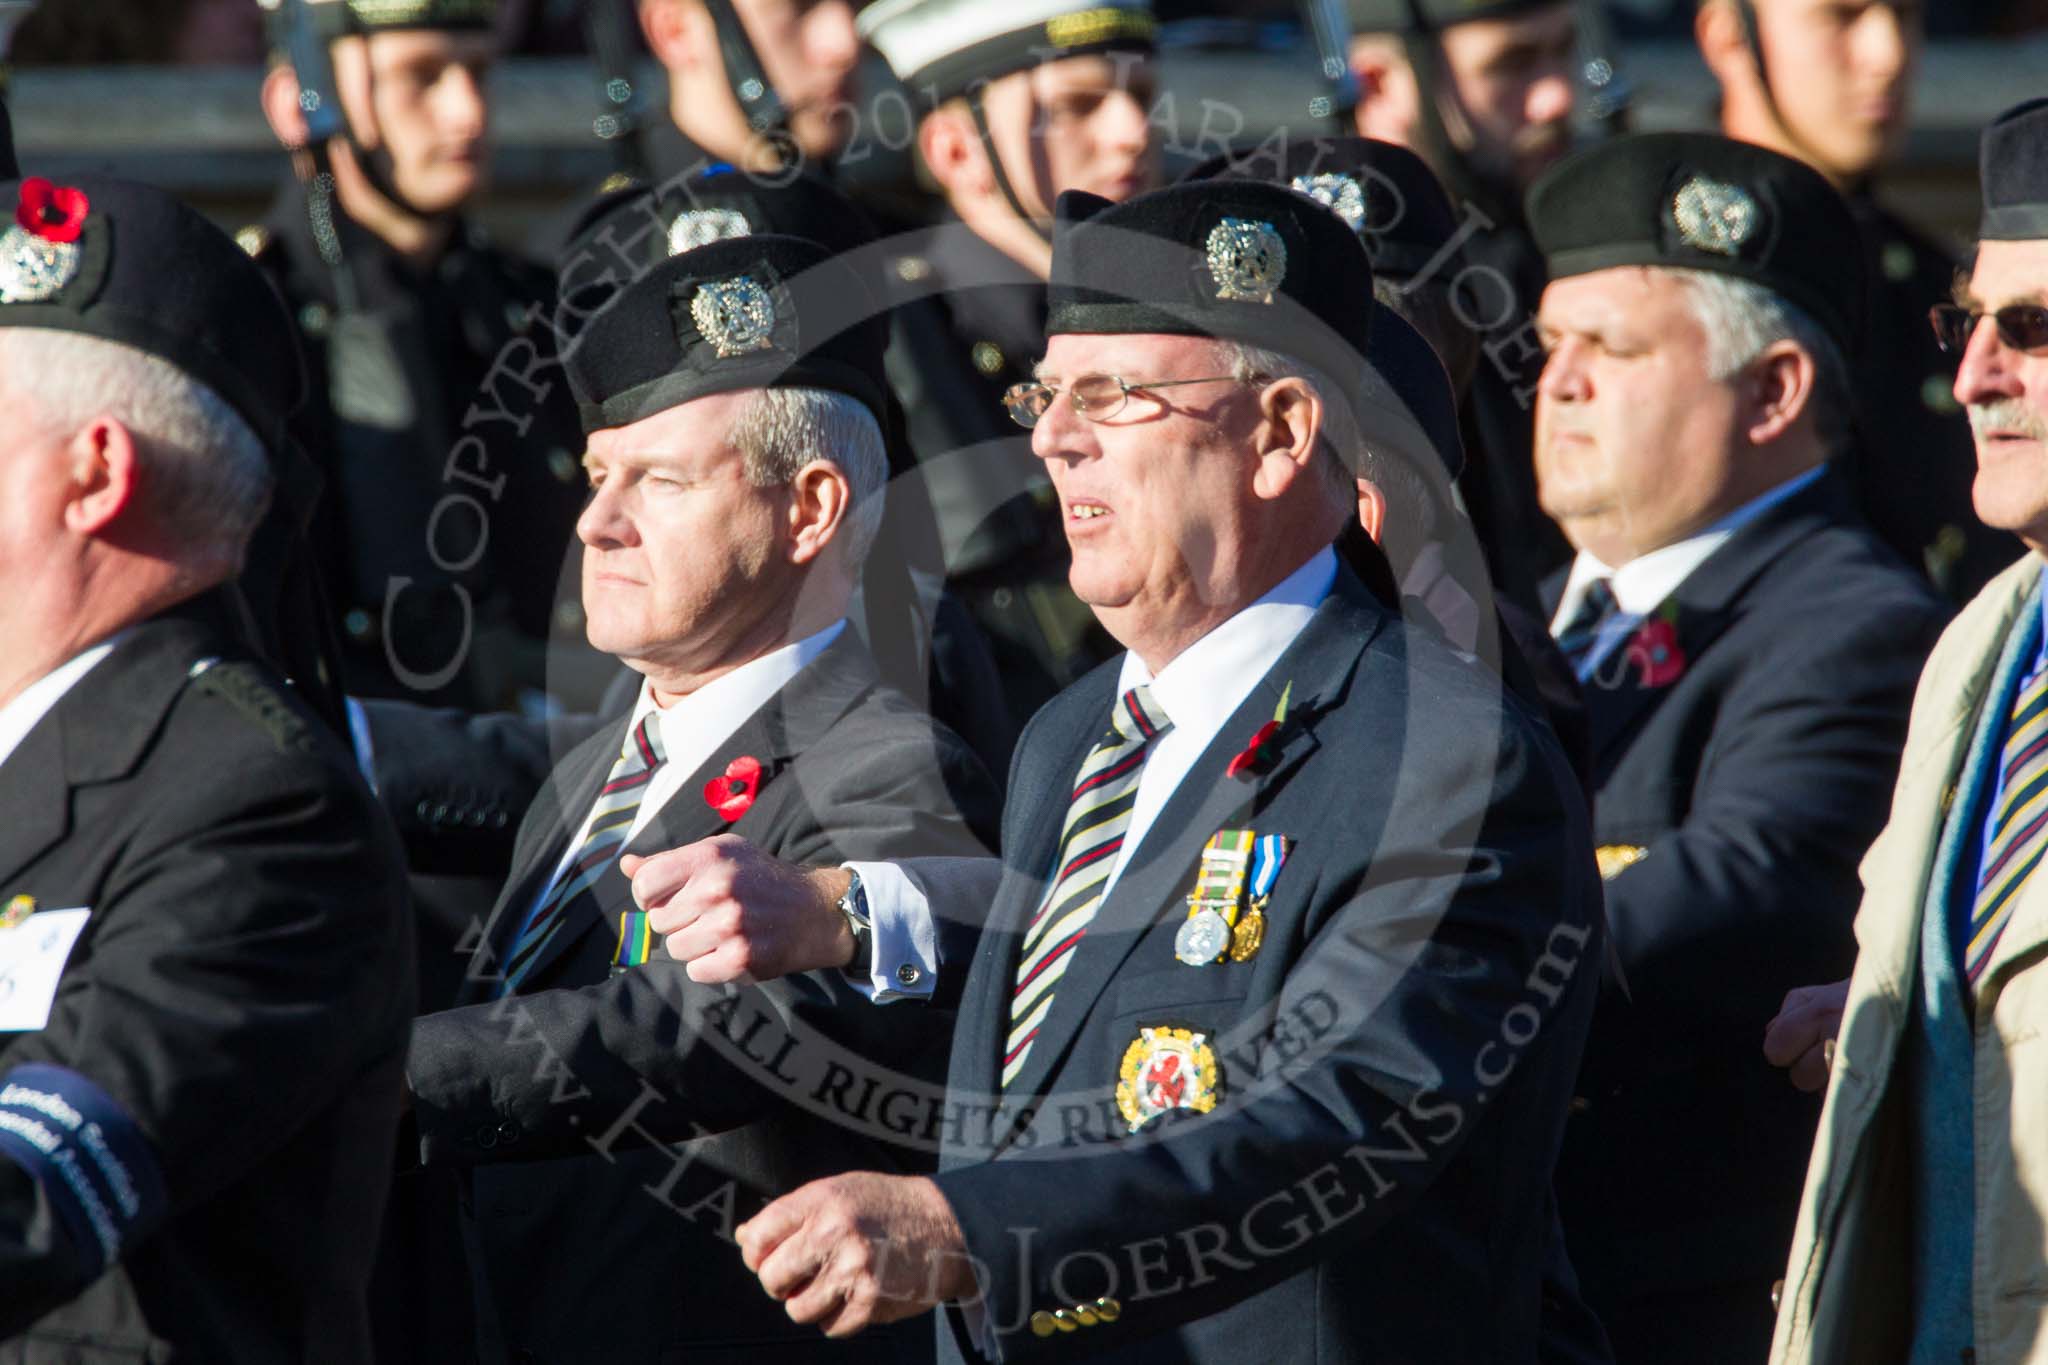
(693, 727)
(1210, 679)
(1642, 585)
(37, 700)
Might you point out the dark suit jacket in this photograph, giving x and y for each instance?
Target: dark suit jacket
(584, 1249)
(1754, 781)
(1395, 1059)
(240, 994)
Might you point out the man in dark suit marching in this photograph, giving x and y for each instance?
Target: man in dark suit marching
(737, 481)
(1285, 970)
(205, 955)
(1748, 651)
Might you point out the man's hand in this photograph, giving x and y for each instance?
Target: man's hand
(859, 1250)
(1802, 1037)
(735, 914)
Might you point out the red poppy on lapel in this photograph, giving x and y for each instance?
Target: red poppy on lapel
(1654, 651)
(1260, 752)
(53, 214)
(1256, 755)
(733, 794)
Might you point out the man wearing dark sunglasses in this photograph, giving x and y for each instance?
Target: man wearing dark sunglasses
(1919, 1238)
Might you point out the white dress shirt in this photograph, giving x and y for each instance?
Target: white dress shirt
(693, 727)
(37, 700)
(1199, 691)
(1645, 582)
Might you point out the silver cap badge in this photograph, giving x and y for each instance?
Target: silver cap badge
(736, 316)
(1340, 194)
(702, 227)
(1247, 259)
(32, 268)
(1714, 216)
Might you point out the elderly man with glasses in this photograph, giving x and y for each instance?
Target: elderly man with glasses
(1920, 1237)
(1282, 980)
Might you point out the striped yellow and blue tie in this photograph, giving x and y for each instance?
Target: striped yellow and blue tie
(618, 801)
(1098, 815)
(2020, 831)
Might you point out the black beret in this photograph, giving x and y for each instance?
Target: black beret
(943, 48)
(1239, 261)
(746, 313)
(1388, 194)
(129, 263)
(1699, 201)
(646, 224)
(2013, 166)
(1399, 16)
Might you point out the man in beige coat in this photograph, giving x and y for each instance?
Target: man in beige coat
(1923, 1232)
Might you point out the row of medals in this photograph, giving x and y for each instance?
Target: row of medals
(1214, 928)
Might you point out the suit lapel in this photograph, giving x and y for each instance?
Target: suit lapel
(30, 820)
(1159, 870)
(572, 788)
(99, 730)
(779, 729)
(1637, 674)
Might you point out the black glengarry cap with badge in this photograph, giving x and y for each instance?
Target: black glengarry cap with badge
(2013, 166)
(1385, 192)
(940, 49)
(128, 263)
(750, 312)
(641, 225)
(1239, 261)
(1698, 201)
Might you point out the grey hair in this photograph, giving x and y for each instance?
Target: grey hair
(208, 478)
(1741, 318)
(1411, 511)
(780, 431)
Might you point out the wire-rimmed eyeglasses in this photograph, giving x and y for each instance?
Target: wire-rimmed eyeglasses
(1096, 397)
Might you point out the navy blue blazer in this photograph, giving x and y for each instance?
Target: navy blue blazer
(1745, 781)
(1394, 1061)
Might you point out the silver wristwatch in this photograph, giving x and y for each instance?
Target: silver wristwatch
(854, 905)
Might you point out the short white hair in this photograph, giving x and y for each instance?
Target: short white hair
(1411, 519)
(207, 476)
(1741, 318)
(780, 431)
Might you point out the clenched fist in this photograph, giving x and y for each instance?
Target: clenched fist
(733, 913)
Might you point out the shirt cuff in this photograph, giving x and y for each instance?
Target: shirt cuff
(359, 740)
(905, 965)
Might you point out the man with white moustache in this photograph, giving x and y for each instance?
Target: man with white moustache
(1921, 1236)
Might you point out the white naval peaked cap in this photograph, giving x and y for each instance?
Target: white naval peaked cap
(943, 48)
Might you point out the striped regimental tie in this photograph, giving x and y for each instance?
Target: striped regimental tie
(2020, 831)
(1588, 620)
(618, 801)
(1098, 815)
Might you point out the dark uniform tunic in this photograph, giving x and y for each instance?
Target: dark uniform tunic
(232, 1016)
(448, 450)
(1915, 459)
(970, 322)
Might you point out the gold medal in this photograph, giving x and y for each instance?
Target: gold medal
(1246, 937)
(17, 910)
